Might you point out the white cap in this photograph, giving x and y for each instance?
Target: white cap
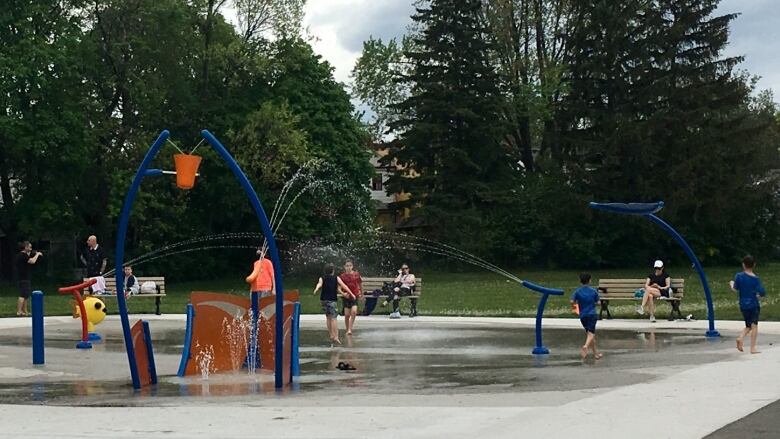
(658, 264)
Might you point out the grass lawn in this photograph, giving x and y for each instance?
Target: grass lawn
(466, 294)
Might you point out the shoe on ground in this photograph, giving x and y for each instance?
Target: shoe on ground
(652, 318)
(395, 315)
(384, 303)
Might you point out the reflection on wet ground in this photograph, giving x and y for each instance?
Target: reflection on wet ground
(431, 359)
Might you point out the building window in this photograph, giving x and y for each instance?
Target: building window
(376, 183)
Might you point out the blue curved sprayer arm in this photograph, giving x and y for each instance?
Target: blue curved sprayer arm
(629, 208)
(540, 349)
(272, 251)
(124, 218)
(711, 332)
(543, 290)
(649, 210)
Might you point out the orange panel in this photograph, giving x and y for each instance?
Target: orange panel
(141, 354)
(214, 312)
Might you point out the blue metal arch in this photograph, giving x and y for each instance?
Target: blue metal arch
(124, 218)
(649, 210)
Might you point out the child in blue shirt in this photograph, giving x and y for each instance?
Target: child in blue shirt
(749, 287)
(586, 298)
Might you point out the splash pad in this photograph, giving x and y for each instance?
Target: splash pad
(141, 356)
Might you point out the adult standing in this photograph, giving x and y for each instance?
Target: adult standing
(94, 258)
(24, 262)
(658, 285)
(352, 279)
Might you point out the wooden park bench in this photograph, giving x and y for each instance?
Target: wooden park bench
(371, 284)
(625, 289)
(158, 280)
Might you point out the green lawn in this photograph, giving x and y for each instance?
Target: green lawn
(466, 294)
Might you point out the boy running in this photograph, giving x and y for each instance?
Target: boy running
(749, 287)
(586, 298)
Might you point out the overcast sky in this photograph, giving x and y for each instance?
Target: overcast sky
(340, 27)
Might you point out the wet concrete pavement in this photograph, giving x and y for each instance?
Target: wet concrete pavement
(446, 371)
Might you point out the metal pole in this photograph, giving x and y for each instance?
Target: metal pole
(272, 250)
(295, 365)
(254, 339)
(539, 349)
(37, 327)
(124, 219)
(185, 355)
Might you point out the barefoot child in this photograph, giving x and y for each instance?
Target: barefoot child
(355, 283)
(749, 287)
(585, 297)
(329, 283)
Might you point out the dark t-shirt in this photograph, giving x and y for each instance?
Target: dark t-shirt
(329, 288)
(94, 260)
(659, 279)
(23, 268)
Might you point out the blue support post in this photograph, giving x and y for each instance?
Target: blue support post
(295, 365)
(649, 210)
(254, 340)
(185, 354)
(150, 351)
(37, 327)
(540, 349)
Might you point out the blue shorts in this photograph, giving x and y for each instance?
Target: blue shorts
(589, 323)
(751, 316)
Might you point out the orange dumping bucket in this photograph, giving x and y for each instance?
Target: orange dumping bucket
(186, 169)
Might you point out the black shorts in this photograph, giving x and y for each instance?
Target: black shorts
(751, 316)
(348, 303)
(24, 289)
(589, 323)
(666, 292)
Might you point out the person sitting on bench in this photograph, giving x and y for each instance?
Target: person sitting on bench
(404, 286)
(657, 285)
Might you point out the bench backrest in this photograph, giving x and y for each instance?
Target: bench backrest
(159, 280)
(627, 287)
(376, 283)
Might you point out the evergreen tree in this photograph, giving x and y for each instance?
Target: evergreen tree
(450, 149)
(654, 112)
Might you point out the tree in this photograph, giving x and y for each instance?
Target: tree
(654, 112)
(531, 48)
(379, 82)
(257, 18)
(43, 126)
(301, 81)
(451, 151)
